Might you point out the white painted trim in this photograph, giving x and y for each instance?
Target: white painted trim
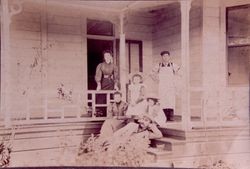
(5, 43)
(44, 53)
(75, 4)
(185, 10)
(223, 47)
(229, 3)
(99, 37)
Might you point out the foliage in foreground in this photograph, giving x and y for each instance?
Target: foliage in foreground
(129, 151)
(217, 165)
(4, 154)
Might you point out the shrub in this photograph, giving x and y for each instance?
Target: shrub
(129, 151)
(217, 165)
(4, 154)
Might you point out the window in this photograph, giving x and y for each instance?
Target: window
(134, 56)
(96, 27)
(238, 45)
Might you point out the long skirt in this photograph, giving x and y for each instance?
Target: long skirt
(107, 84)
(137, 109)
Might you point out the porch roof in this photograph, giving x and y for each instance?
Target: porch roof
(116, 5)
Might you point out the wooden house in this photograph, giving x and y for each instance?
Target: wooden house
(50, 49)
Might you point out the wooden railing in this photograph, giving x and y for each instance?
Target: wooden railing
(225, 107)
(91, 106)
(98, 102)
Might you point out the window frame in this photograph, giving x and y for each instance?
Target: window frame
(100, 20)
(226, 9)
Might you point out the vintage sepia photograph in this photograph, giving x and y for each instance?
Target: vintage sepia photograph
(125, 83)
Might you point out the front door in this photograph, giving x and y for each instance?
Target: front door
(95, 49)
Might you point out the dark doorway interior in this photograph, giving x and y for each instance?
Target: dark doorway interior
(95, 48)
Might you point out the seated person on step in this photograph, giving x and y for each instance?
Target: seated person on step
(145, 122)
(136, 93)
(145, 127)
(151, 107)
(154, 109)
(116, 116)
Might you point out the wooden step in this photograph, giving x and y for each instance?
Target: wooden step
(178, 118)
(158, 153)
(167, 143)
(172, 125)
(173, 133)
(208, 132)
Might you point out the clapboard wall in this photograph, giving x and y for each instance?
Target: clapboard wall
(49, 48)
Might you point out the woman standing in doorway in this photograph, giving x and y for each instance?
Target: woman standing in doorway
(166, 70)
(106, 75)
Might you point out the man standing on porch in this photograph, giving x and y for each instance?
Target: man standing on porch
(166, 70)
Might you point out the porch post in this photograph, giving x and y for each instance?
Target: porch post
(185, 8)
(6, 12)
(122, 59)
(5, 30)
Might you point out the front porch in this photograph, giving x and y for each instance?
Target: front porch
(45, 95)
(38, 38)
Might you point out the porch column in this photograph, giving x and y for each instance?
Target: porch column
(122, 59)
(6, 12)
(5, 31)
(185, 106)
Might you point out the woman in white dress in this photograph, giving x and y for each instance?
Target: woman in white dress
(137, 94)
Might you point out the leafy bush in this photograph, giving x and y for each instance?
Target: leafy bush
(4, 155)
(128, 151)
(217, 165)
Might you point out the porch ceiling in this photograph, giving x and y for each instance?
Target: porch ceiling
(117, 5)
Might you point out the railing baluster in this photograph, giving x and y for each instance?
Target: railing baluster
(45, 106)
(93, 104)
(78, 115)
(62, 112)
(108, 101)
(27, 108)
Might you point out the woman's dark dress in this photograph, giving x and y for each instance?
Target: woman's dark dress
(107, 75)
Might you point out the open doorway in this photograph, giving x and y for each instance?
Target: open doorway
(95, 48)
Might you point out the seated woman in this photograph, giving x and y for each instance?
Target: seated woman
(116, 116)
(153, 108)
(137, 93)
